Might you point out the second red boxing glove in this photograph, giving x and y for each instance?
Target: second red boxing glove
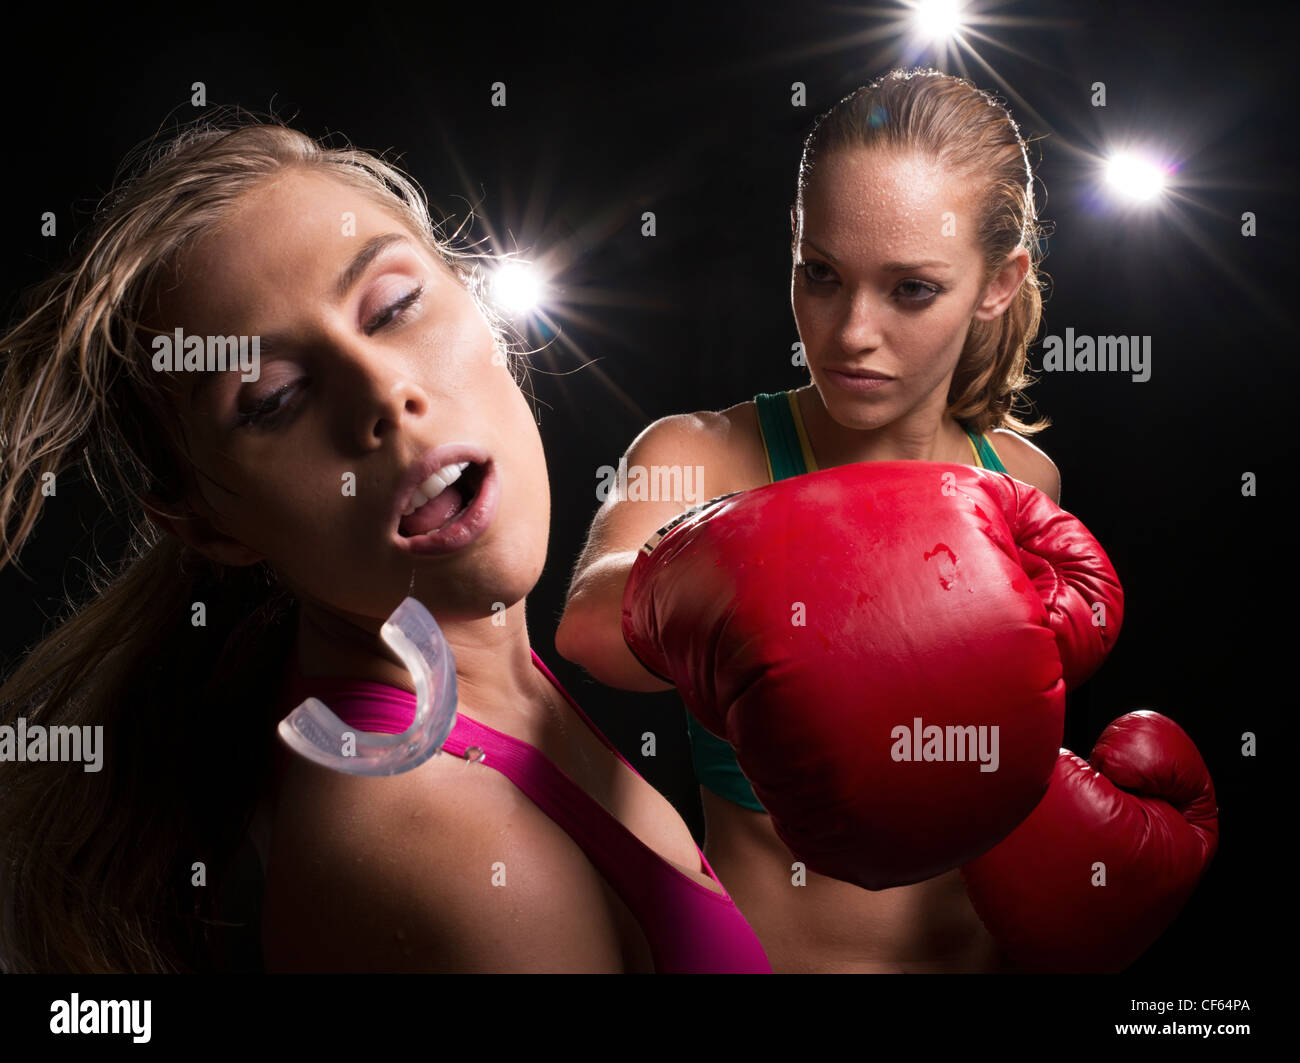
(1108, 858)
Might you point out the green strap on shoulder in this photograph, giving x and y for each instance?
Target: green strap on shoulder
(780, 437)
(988, 456)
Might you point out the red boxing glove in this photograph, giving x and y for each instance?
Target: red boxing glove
(863, 635)
(1108, 858)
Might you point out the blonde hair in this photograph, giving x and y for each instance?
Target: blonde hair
(966, 130)
(95, 867)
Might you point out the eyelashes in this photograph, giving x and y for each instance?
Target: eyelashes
(918, 292)
(394, 310)
(924, 289)
(268, 411)
(806, 267)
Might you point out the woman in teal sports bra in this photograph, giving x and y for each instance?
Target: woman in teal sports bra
(916, 294)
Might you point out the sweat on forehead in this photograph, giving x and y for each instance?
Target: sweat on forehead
(891, 199)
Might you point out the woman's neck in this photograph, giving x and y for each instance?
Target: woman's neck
(495, 676)
(922, 435)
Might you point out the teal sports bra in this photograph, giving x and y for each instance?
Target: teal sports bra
(785, 443)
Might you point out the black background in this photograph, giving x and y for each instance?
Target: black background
(685, 110)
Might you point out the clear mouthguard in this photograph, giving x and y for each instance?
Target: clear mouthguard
(314, 732)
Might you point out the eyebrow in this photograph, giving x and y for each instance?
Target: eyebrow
(373, 249)
(352, 272)
(891, 267)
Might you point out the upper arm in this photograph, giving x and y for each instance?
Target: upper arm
(1027, 463)
(675, 463)
(428, 874)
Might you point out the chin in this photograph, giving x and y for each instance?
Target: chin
(859, 416)
(492, 579)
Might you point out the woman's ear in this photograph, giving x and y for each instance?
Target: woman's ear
(197, 532)
(1002, 288)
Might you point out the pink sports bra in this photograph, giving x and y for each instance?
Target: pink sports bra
(690, 928)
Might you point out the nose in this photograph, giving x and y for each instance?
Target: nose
(858, 327)
(379, 387)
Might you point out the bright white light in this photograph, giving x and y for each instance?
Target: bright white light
(938, 20)
(1134, 177)
(516, 287)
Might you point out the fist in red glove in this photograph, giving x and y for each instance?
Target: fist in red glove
(1110, 855)
(887, 646)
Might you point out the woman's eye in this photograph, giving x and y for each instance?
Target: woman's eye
(914, 291)
(809, 268)
(395, 310)
(267, 412)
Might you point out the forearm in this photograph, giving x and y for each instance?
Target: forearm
(591, 630)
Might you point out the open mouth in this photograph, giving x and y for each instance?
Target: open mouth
(443, 498)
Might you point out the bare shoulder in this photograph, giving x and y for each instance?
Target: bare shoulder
(712, 430)
(1027, 462)
(444, 868)
(724, 444)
